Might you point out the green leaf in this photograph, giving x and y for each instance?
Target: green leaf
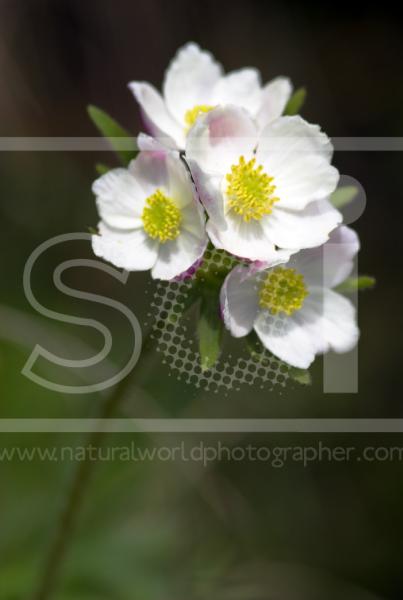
(101, 169)
(343, 196)
(254, 345)
(296, 102)
(302, 376)
(353, 284)
(209, 331)
(111, 129)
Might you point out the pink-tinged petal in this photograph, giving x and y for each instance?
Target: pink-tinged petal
(150, 171)
(188, 274)
(159, 121)
(159, 167)
(189, 80)
(218, 139)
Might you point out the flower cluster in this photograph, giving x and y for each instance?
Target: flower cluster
(224, 165)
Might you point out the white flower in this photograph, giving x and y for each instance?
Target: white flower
(263, 192)
(150, 215)
(292, 307)
(194, 83)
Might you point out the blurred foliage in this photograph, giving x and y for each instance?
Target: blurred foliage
(353, 284)
(296, 102)
(115, 133)
(161, 530)
(343, 196)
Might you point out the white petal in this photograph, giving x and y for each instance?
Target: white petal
(189, 80)
(132, 250)
(326, 321)
(330, 264)
(177, 256)
(180, 185)
(286, 338)
(330, 320)
(292, 136)
(239, 301)
(219, 138)
(162, 168)
(339, 253)
(241, 88)
(119, 198)
(303, 180)
(193, 219)
(301, 229)
(274, 98)
(146, 143)
(161, 124)
(150, 171)
(338, 322)
(297, 155)
(209, 190)
(246, 240)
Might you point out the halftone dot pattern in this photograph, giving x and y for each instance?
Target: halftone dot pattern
(178, 345)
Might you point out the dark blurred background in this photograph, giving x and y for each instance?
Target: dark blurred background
(157, 530)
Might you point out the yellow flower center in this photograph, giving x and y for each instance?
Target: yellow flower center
(192, 114)
(250, 190)
(161, 217)
(283, 290)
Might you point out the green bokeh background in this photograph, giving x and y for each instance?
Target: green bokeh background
(160, 530)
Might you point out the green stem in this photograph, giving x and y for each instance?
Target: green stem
(79, 484)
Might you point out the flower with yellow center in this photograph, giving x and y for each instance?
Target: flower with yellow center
(194, 82)
(161, 218)
(295, 308)
(250, 191)
(266, 193)
(194, 113)
(283, 290)
(150, 215)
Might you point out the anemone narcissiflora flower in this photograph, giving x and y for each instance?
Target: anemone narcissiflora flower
(293, 307)
(194, 84)
(263, 192)
(151, 217)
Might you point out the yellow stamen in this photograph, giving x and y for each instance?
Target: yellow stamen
(283, 290)
(250, 190)
(161, 217)
(192, 114)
